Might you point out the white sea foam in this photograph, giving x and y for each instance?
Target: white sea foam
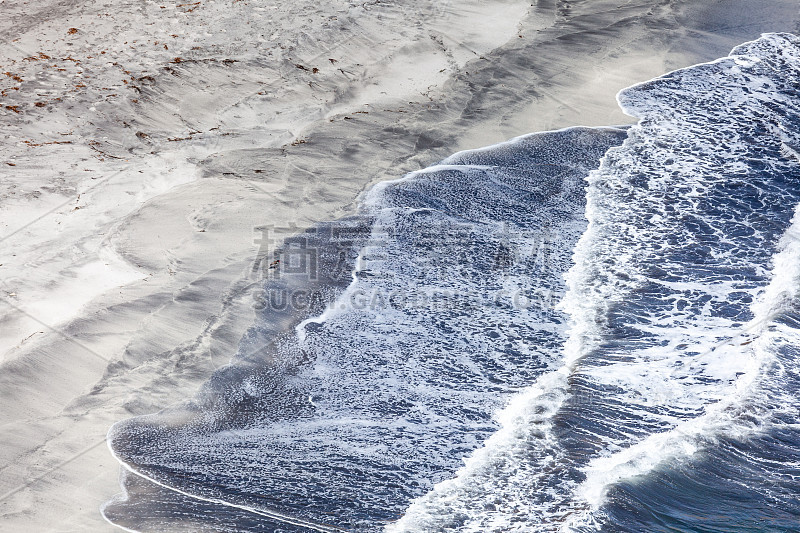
(751, 358)
(664, 353)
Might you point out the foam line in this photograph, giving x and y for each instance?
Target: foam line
(272, 515)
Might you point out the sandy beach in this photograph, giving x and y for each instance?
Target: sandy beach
(145, 144)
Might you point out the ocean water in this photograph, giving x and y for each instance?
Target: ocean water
(594, 329)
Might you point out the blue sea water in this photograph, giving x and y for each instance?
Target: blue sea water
(593, 329)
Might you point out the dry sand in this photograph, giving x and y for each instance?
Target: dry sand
(140, 151)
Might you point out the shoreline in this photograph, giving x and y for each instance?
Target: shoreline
(147, 331)
(141, 503)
